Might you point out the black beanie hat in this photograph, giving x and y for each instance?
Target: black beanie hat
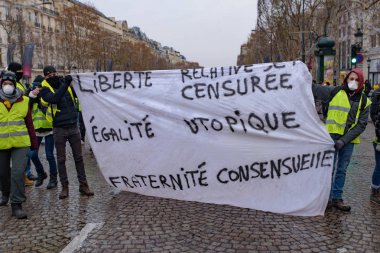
(14, 67)
(49, 69)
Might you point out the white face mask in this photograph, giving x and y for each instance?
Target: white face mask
(8, 89)
(353, 85)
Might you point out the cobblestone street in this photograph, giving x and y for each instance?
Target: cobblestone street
(135, 223)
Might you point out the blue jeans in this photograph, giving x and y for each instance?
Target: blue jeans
(28, 171)
(376, 170)
(342, 159)
(49, 151)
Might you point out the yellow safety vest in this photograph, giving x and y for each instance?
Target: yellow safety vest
(13, 131)
(20, 86)
(52, 108)
(339, 108)
(39, 119)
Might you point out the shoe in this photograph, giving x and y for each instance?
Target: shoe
(375, 195)
(340, 205)
(18, 212)
(84, 189)
(4, 200)
(52, 183)
(65, 191)
(27, 181)
(32, 177)
(40, 180)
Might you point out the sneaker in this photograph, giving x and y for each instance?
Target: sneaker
(340, 205)
(52, 184)
(40, 180)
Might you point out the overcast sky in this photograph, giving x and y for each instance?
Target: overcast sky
(206, 31)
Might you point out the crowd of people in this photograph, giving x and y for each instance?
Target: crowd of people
(47, 109)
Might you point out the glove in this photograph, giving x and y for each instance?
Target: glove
(378, 147)
(339, 144)
(68, 79)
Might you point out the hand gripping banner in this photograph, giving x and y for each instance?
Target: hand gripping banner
(246, 136)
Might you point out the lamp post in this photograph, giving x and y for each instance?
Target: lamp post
(369, 66)
(359, 38)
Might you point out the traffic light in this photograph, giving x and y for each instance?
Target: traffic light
(354, 57)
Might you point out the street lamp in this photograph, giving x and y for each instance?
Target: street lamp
(359, 38)
(369, 66)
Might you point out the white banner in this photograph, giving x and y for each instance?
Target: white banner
(246, 136)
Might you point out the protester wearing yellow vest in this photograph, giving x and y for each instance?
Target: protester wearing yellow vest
(62, 109)
(347, 118)
(16, 68)
(44, 129)
(16, 137)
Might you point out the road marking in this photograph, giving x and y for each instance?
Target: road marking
(77, 242)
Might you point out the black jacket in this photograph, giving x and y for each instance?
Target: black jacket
(67, 113)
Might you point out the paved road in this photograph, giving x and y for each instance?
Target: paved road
(135, 223)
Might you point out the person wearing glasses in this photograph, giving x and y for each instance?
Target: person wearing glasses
(347, 117)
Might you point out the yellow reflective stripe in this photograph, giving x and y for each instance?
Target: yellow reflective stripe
(339, 108)
(13, 134)
(333, 122)
(39, 118)
(12, 123)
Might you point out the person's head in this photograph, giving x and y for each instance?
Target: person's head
(354, 81)
(327, 83)
(37, 82)
(8, 82)
(16, 68)
(49, 71)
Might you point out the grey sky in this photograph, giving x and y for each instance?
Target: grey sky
(206, 31)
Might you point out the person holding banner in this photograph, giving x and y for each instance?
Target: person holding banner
(44, 129)
(347, 118)
(375, 116)
(16, 137)
(60, 100)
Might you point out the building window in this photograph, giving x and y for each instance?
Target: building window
(373, 40)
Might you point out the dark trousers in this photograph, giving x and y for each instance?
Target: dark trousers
(72, 135)
(82, 128)
(12, 178)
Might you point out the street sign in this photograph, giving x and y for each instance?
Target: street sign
(359, 57)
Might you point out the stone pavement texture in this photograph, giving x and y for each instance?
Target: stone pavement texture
(136, 223)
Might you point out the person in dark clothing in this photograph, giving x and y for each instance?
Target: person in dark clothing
(347, 118)
(62, 110)
(367, 87)
(375, 116)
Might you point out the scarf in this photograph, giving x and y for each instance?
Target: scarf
(10, 99)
